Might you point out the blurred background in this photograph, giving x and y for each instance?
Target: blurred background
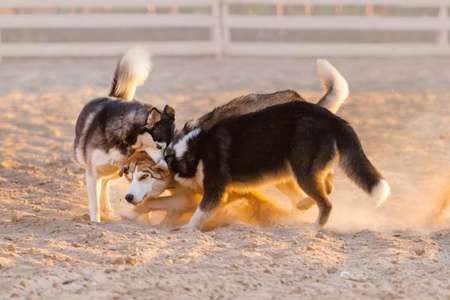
(77, 28)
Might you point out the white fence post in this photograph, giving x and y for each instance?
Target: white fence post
(1, 54)
(443, 33)
(225, 28)
(217, 30)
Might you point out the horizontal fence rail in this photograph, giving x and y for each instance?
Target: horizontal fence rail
(56, 28)
(36, 18)
(428, 33)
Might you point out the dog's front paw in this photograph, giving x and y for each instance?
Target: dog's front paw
(95, 218)
(316, 226)
(184, 228)
(106, 214)
(306, 204)
(188, 226)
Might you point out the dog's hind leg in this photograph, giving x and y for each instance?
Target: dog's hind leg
(310, 161)
(92, 184)
(314, 187)
(328, 183)
(308, 202)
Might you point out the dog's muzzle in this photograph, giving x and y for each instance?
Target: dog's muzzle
(169, 157)
(169, 153)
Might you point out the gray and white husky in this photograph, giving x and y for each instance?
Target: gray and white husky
(297, 140)
(109, 129)
(185, 199)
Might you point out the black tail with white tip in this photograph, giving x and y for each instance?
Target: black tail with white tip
(357, 166)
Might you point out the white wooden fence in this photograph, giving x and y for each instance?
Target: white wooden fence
(220, 19)
(438, 24)
(141, 19)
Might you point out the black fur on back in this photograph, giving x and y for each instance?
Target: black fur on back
(251, 101)
(238, 106)
(302, 135)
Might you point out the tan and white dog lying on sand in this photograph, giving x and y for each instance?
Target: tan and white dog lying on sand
(254, 207)
(147, 181)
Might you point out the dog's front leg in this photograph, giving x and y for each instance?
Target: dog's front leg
(291, 190)
(183, 201)
(198, 219)
(148, 205)
(211, 199)
(92, 182)
(105, 205)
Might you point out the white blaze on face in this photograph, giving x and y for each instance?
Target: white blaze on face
(144, 186)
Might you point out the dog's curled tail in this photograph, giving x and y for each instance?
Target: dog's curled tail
(357, 166)
(334, 84)
(132, 71)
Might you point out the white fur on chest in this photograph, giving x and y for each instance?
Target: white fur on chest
(196, 182)
(112, 158)
(180, 148)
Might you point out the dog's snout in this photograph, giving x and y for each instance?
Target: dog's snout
(129, 198)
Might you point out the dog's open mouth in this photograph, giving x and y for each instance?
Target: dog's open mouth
(137, 203)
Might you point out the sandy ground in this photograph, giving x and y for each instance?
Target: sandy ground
(48, 249)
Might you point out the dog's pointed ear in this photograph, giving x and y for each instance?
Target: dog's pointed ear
(153, 117)
(123, 170)
(156, 174)
(161, 168)
(169, 111)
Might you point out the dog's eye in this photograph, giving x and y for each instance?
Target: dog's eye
(143, 177)
(158, 146)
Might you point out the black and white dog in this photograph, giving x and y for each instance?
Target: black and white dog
(145, 185)
(109, 129)
(296, 139)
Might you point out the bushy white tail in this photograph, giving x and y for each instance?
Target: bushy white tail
(334, 84)
(131, 71)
